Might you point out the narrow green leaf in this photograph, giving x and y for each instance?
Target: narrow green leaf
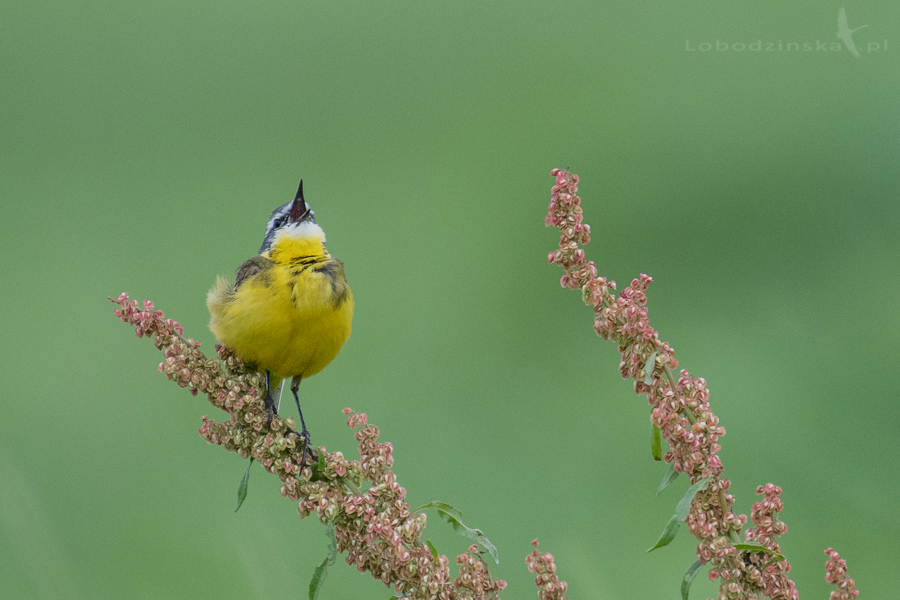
(775, 558)
(648, 368)
(434, 551)
(689, 579)
(681, 513)
(318, 578)
(655, 443)
(448, 508)
(668, 534)
(473, 534)
(684, 505)
(751, 546)
(671, 475)
(242, 487)
(453, 515)
(318, 469)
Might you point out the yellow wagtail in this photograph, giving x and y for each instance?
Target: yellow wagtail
(290, 309)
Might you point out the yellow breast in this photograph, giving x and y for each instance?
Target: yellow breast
(291, 318)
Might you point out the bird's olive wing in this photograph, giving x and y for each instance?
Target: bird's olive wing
(251, 267)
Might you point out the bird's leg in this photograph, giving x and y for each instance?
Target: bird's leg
(304, 433)
(269, 401)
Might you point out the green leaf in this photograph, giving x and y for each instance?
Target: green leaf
(453, 515)
(434, 551)
(318, 469)
(671, 475)
(318, 578)
(655, 443)
(648, 368)
(447, 508)
(775, 558)
(681, 513)
(242, 487)
(668, 534)
(751, 546)
(689, 579)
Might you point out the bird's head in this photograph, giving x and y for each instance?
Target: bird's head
(295, 218)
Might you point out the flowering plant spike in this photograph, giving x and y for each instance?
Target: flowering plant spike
(363, 503)
(361, 499)
(682, 412)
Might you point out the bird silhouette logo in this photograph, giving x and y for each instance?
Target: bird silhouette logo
(845, 34)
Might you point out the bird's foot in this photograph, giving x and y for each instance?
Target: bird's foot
(303, 435)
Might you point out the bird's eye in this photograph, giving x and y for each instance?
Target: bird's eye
(279, 222)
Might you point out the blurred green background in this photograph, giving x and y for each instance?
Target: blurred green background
(145, 143)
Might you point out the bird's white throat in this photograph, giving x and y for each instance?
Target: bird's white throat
(304, 229)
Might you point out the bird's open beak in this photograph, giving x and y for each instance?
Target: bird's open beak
(300, 210)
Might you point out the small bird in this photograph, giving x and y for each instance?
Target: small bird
(290, 309)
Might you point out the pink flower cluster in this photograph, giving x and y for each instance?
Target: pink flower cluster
(375, 527)
(836, 575)
(166, 336)
(474, 577)
(681, 408)
(772, 578)
(228, 384)
(544, 567)
(744, 572)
